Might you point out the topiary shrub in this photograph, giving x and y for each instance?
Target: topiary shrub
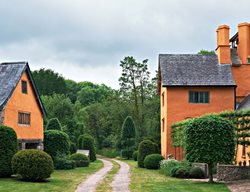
(153, 161)
(56, 143)
(32, 164)
(64, 163)
(180, 172)
(197, 173)
(73, 148)
(127, 137)
(146, 147)
(8, 147)
(54, 124)
(80, 159)
(86, 142)
(135, 155)
(218, 137)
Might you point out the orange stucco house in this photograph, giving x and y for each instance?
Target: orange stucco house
(20, 105)
(191, 85)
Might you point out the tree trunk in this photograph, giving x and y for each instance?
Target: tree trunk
(210, 172)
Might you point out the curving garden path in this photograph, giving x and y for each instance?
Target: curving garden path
(120, 182)
(89, 185)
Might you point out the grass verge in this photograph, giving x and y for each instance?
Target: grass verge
(153, 181)
(105, 185)
(60, 180)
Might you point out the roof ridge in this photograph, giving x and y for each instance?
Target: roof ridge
(14, 63)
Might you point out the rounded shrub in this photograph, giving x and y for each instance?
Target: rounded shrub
(54, 124)
(153, 161)
(180, 172)
(56, 143)
(32, 164)
(8, 147)
(135, 155)
(197, 173)
(80, 159)
(146, 147)
(87, 142)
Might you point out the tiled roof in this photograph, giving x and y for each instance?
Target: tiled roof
(194, 70)
(10, 75)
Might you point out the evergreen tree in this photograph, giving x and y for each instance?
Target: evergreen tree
(128, 137)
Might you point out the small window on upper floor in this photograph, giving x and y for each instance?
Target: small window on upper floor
(24, 87)
(23, 118)
(198, 97)
(248, 60)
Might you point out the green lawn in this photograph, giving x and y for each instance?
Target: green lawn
(61, 181)
(153, 181)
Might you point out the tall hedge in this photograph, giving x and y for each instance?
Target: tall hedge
(56, 143)
(210, 139)
(87, 142)
(146, 147)
(8, 147)
(128, 137)
(54, 124)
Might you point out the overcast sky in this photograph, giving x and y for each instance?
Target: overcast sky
(85, 40)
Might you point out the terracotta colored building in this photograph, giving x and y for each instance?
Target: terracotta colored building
(20, 105)
(191, 85)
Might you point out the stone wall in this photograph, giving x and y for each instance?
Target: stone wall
(1, 117)
(232, 172)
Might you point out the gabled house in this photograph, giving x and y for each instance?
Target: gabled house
(192, 85)
(20, 105)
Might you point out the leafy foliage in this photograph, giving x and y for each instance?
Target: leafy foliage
(135, 155)
(167, 166)
(56, 143)
(54, 124)
(87, 142)
(146, 147)
(48, 82)
(62, 162)
(8, 147)
(210, 139)
(197, 173)
(128, 137)
(32, 164)
(206, 52)
(152, 161)
(80, 159)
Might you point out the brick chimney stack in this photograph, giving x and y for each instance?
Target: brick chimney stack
(244, 42)
(223, 46)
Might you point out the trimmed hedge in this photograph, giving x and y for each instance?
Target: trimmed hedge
(32, 164)
(135, 155)
(87, 142)
(146, 147)
(54, 124)
(80, 159)
(64, 163)
(8, 147)
(56, 143)
(153, 161)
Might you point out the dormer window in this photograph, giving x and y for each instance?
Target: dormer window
(24, 87)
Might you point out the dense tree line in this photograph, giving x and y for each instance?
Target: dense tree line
(98, 110)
